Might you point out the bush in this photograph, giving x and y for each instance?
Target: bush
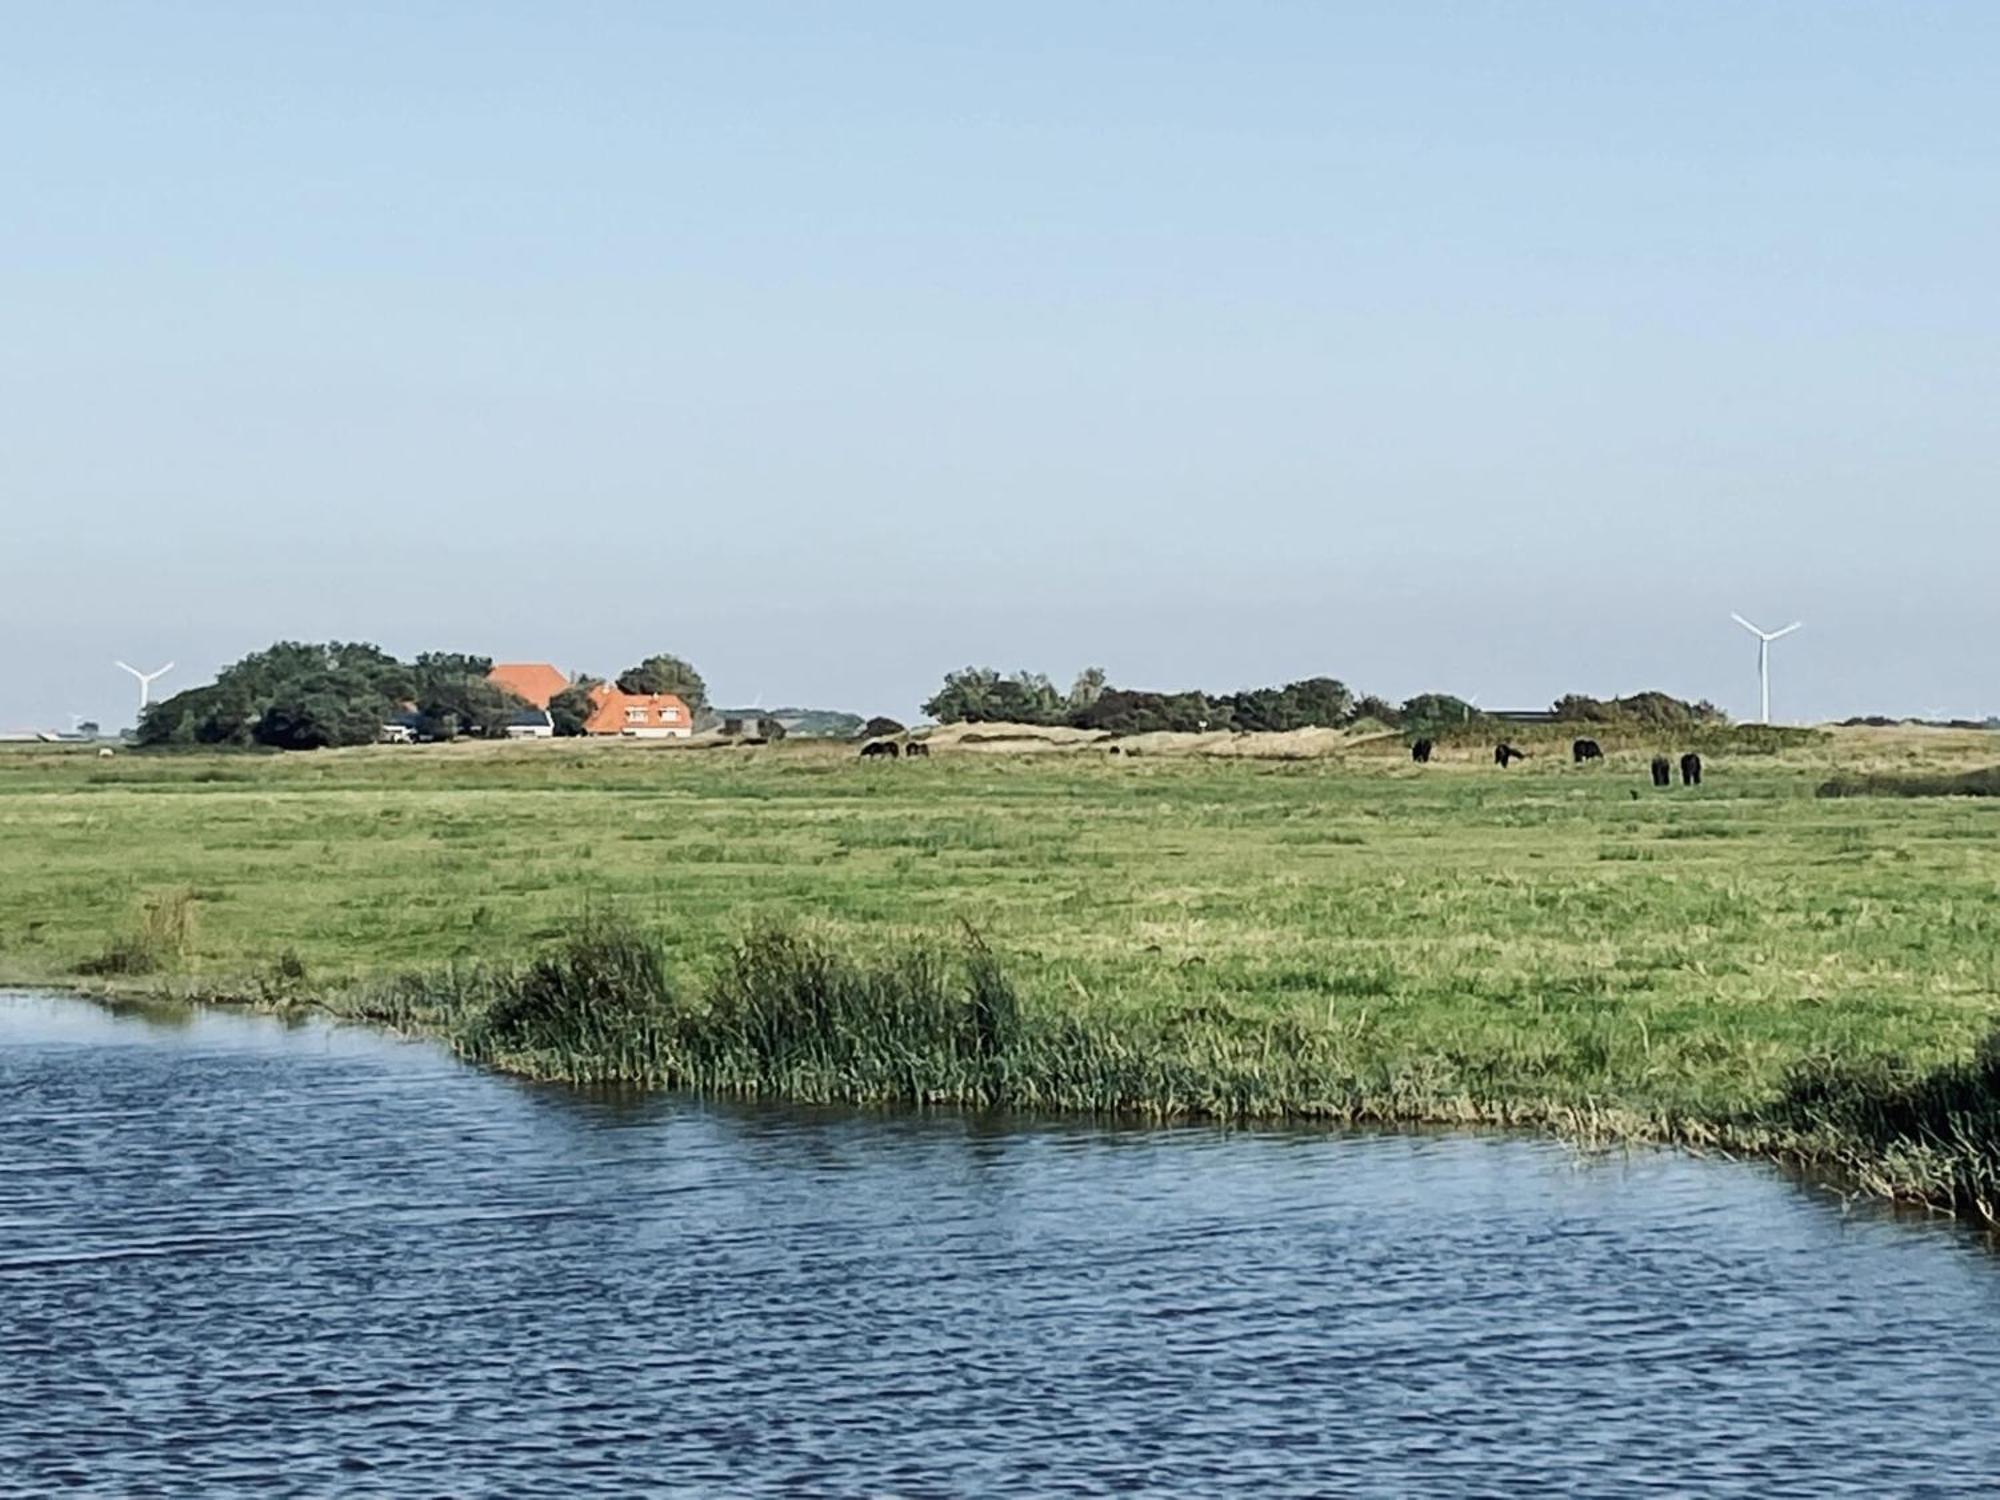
(604, 980)
(1655, 710)
(1380, 710)
(1430, 712)
(1123, 711)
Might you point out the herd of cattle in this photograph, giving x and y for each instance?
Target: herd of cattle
(1580, 751)
(1504, 755)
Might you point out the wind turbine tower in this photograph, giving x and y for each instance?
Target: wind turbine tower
(1764, 639)
(146, 680)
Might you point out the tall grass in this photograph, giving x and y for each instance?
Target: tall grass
(160, 938)
(788, 1015)
(1927, 1135)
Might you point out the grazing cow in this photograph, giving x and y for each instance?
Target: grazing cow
(1504, 752)
(879, 747)
(1690, 769)
(1663, 771)
(1584, 750)
(1420, 752)
(917, 747)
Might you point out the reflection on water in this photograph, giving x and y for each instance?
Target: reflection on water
(236, 1256)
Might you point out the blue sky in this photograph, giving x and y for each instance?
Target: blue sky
(1494, 349)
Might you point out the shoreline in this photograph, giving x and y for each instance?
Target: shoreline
(1899, 1172)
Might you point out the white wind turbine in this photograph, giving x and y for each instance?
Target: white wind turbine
(1764, 639)
(146, 680)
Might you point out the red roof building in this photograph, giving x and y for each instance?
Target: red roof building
(646, 716)
(535, 682)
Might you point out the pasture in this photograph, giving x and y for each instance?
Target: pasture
(1546, 943)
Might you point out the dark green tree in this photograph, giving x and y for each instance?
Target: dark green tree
(667, 674)
(570, 709)
(448, 707)
(1124, 711)
(1088, 688)
(318, 710)
(1322, 702)
(980, 695)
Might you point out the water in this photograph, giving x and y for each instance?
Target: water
(237, 1258)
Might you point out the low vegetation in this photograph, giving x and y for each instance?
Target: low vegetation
(1984, 782)
(1741, 966)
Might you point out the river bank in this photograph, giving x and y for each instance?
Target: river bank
(1740, 966)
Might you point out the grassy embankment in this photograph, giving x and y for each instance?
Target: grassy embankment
(1743, 965)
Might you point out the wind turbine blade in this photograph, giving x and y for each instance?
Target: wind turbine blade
(1747, 625)
(1787, 630)
(133, 670)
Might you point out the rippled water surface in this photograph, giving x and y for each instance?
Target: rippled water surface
(240, 1258)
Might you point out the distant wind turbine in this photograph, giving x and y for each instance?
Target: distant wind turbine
(1764, 639)
(146, 680)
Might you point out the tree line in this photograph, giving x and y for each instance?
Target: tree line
(298, 695)
(975, 695)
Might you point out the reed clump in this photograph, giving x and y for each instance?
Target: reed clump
(606, 986)
(786, 1015)
(1924, 1135)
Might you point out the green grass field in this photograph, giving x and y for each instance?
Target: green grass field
(1536, 945)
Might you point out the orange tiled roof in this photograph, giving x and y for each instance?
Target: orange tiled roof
(535, 681)
(612, 713)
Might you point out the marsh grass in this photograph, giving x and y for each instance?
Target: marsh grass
(159, 939)
(1926, 1135)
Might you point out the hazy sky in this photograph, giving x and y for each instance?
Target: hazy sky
(1489, 348)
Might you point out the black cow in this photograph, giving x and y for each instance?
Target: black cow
(1420, 752)
(879, 747)
(1504, 752)
(916, 748)
(1584, 750)
(1663, 771)
(1690, 769)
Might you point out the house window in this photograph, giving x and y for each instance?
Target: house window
(635, 716)
(670, 714)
